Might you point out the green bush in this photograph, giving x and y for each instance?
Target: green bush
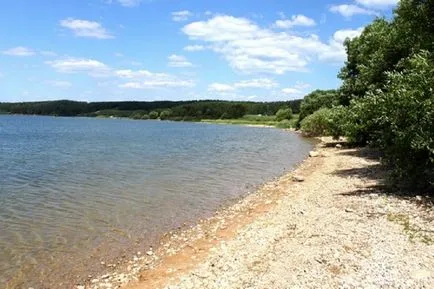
(325, 122)
(400, 121)
(286, 123)
(153, 115)
(145, 116)
(165, 114)
(284, 113)
(316, 100)
(318, 123)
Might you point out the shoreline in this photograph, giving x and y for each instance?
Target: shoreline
(181, 241)
(237, 122)
(203, 255)
(102, 268)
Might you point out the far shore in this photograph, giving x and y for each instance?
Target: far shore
(327, 224)
(260, 121)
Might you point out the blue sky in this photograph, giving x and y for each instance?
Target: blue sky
(97, 50)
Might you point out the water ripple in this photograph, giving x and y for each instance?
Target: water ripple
(85, 189)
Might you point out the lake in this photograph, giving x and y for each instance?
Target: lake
(75, 192)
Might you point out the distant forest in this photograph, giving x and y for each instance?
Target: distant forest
(173, 110)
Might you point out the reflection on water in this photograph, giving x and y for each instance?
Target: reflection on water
(76, 191)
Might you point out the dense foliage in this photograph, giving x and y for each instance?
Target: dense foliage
(316, 100)
(387, 96)
(325, 121)
(183, 110)
(284, 113)
(400, 120)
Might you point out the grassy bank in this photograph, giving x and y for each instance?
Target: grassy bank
(256, 120)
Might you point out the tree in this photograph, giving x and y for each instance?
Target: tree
(153, 114)
(284, 113)
(316, 100)
(165, 114)
(399, 121)
(369, 56)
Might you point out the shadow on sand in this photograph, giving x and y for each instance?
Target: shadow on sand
(379, 173)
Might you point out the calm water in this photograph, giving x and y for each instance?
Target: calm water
(78, 191)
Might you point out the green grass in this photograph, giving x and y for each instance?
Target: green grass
(256, 120)
(412, 231)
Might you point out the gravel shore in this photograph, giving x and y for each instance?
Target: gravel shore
(326, 225)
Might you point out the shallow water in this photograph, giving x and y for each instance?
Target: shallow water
(78, 191)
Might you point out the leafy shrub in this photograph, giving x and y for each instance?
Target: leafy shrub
(400, 121)
(145, 116)
(318, 123)
(284, 113)
(316, 100)
(165, 114)
(286, 123)
(153, 115)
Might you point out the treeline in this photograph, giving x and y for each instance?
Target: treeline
(387, 96)
(175, 110)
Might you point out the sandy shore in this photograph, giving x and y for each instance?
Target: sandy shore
(326, 225)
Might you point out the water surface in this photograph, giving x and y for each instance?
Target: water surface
(78, 191)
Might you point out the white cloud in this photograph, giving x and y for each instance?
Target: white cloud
(251, 49)
(336, 51)
(296, 90)
(380, 4)
(131, 74)
(143, 79)
(60, 83)
(350, 10)
(147, 84)
(19, 51)
(118, 54)
(220, 87)
(130, 3)
(178, 61)
(263, 83)
(257, 83)
(291, 90)
(179, 16)
(193, 48)
(85, 28)
(296, 20)
(76, 65)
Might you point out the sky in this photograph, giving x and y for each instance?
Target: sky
(147, 50)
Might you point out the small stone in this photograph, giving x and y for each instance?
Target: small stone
(313, 154)
(149, 253)
(297, 178)
(81, 287)
(338, 146)
(105, 276)
(419, 198)
(348, 210)
(94, 280)
(420, 274)
(102, 263)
